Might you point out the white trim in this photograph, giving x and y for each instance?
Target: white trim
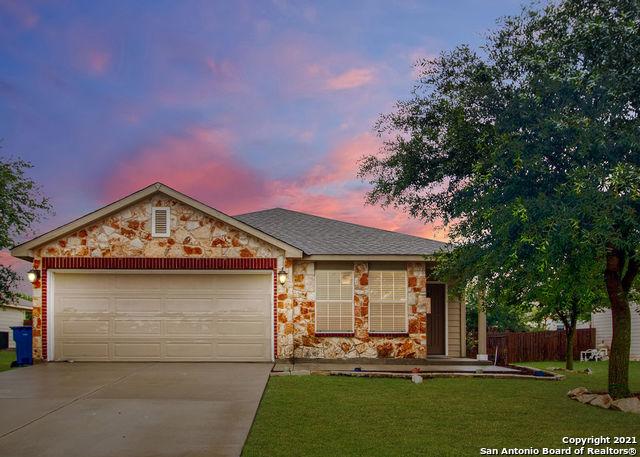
(446, 316)
(51, 295)
(353, 311)
(154, 211)
(51, 350)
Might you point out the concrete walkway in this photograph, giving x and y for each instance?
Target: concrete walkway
(129, 409)
(306, 366)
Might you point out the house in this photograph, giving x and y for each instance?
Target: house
(11, 315)
(601, 321)
(158, 275)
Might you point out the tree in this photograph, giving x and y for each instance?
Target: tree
(538, 130)
(21, 204)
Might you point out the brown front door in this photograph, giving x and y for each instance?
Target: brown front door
(436, 320)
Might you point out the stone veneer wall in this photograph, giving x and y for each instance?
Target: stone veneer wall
(296, 318)
(128, 234)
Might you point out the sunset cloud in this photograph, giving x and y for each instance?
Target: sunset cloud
(198, 163)
(201, 163)
(356, 77)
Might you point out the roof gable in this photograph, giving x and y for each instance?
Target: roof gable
(25, 250)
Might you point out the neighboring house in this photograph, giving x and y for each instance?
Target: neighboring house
(158, 275)
(10, 316)
(602, 323)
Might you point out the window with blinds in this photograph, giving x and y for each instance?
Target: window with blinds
(387, 301)
(160, 222)
(334, 301)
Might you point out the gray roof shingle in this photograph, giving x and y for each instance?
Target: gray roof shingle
(317, 235)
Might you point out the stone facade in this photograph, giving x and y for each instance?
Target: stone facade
(194, 234)
(296, 318)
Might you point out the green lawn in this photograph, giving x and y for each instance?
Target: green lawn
(6, 357)
(338, 416)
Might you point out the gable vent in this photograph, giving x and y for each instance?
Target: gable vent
(160, 221)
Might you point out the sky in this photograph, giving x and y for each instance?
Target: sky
(243, 105)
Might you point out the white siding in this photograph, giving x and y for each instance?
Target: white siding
(602, 323)
(10, 317)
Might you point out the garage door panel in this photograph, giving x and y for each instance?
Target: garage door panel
(137, 349)
(244, 328)
(80, 350)
(138, 304)
(195, 350)
(83, 303)
(241, 349)
(190, 304)
(162, 316)
(135, 327)
(90, 327)
(204, 327)
(241, 305)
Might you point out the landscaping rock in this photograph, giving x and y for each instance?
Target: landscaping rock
(416, 379)
(586, 398)
(297, 372)
(588, 371)
(573, 393)
(628, 405)
(602, 401)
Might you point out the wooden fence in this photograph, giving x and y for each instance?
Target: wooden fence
(537, 346)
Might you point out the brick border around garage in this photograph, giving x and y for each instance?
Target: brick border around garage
(139, 263)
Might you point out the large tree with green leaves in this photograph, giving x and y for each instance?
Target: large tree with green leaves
(21, 204)
(538, 129)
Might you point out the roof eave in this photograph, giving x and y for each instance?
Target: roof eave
(372, 257)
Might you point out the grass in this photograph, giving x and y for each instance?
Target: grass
(6, 357)
(339, 416)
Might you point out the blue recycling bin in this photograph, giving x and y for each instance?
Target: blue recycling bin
(24, 345)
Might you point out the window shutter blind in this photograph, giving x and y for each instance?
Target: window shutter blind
(160, 224)
(387, 301)
(334, 301)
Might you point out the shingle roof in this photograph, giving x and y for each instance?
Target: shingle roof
(321, 236)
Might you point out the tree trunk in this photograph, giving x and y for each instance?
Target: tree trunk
(570, 333)
(621, 323)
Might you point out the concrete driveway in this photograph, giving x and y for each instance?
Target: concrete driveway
(129, 409)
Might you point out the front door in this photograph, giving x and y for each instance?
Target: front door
(436, 320)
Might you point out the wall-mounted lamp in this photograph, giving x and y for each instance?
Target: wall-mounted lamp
(33, 275)
(282, 277)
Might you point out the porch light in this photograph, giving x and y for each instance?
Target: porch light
(33, 275)
(282, 277)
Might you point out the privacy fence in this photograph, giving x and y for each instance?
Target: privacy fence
(536, 346)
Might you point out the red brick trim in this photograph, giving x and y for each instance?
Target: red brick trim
(345, 335)
(388, 335)
(139, 263)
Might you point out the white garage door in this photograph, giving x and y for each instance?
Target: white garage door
(181, 317)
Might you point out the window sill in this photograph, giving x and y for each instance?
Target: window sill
(347, 334)
(388, 334)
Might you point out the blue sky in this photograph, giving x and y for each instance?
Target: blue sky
(243, 105)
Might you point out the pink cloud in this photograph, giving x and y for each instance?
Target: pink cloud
(356, 77)
(199, 164)
(98, 62)
(341, 163)
(21, 12)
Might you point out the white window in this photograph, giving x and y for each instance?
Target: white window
(334, 301)
(387, 302)
(160, 222)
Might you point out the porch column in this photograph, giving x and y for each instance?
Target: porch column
(482, 332)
